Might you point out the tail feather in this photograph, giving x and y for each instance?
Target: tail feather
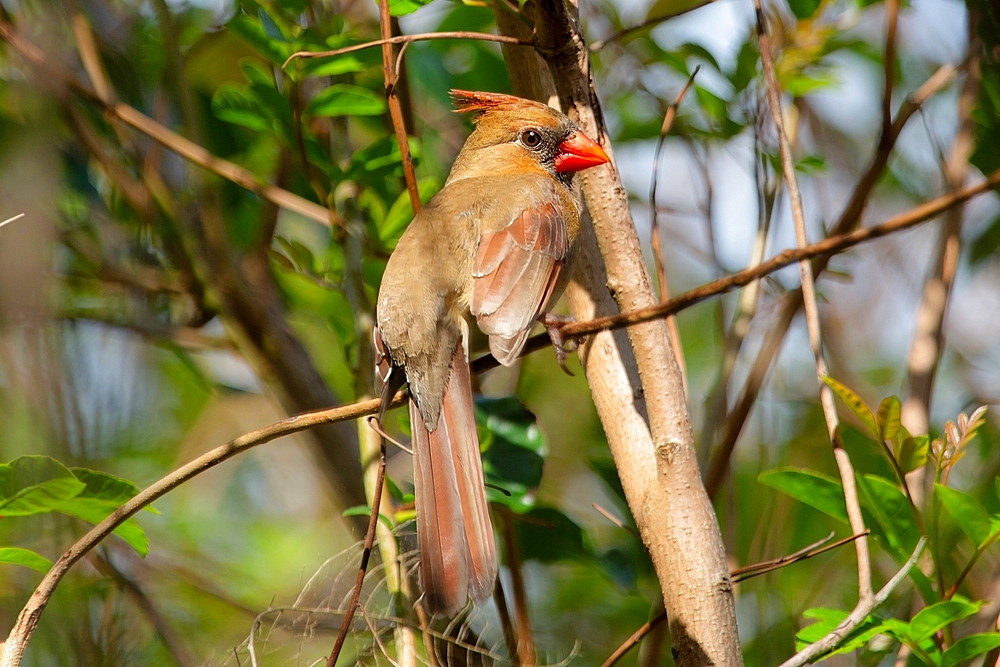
(454, 532)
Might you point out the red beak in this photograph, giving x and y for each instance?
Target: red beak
(578, 152)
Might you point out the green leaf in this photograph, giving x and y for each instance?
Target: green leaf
(912, 452)
(986, 244)
(404, 7)
(401, 212)
(514, 451)
(102, 495)
(803, 9)
(348, 63)
(968, 513)
(545, 534)
(35, 484)
(888, 418)
(746, 65)
(233, 105)
(253, 33)
(365, 510)
(343, 99)
(891, 509)
(854, 402)
(970, 647)
(828, 620)
(25, 557)
(810, 487)
(931, 619)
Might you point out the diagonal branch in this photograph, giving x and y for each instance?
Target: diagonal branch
(184, 147)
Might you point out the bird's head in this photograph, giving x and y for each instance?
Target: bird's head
(514, 134)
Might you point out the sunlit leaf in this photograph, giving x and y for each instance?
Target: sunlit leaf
(888, 417)
(813, 488)
(251, 31)
(854, 402)
(827, 622)
(25, 557)
(35, 484)
(403, 7)
(912, 451)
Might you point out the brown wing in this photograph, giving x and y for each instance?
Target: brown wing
(515, 272)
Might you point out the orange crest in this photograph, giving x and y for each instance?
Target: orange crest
(466, 100)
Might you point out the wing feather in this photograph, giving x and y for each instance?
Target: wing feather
(515, 273)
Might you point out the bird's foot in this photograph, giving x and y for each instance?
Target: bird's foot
(552, 324)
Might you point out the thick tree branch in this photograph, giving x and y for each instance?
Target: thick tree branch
(642, 407)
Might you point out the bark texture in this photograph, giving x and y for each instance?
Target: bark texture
(634, 377)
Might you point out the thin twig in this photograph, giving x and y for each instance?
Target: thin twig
(648, 23)
(406, 39)
(10, 220)
(856, 617)
(525, 637)
(634, 639)
(509, 633)
(613, 519)
(815, 549)
(352, 606)
(389, 68)
(812, 316)
(375, 426)
(849, 218)
(654, 228)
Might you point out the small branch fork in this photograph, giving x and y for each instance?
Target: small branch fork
(740, 574)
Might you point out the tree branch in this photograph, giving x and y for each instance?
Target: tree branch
(857, 616)
(395, 109)
(169, 139)
(812, 317)
(406, 39)
(13, 648)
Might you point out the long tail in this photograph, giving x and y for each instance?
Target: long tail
(458, 556)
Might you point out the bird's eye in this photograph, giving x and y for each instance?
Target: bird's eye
(531, 138)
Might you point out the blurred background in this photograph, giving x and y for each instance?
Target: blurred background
(151, 310)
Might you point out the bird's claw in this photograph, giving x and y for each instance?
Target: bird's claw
(552, 324)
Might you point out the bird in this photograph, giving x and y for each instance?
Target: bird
(494, 243)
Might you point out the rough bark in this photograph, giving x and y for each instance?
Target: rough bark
(634, 377)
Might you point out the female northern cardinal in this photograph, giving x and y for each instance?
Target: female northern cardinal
(494, 242)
